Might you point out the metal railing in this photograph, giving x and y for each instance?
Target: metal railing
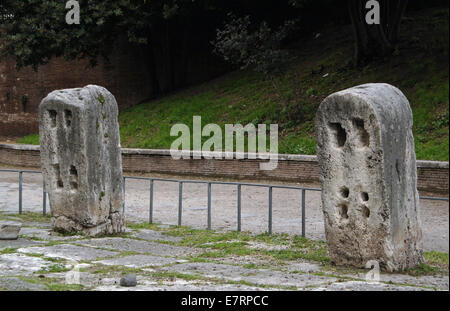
(209, 184)
(238, 198)
(21, 172)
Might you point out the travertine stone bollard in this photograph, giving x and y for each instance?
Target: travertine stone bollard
(81, 160)
(368, 172)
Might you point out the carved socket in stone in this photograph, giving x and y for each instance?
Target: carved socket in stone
(368, 173)
(81, 160)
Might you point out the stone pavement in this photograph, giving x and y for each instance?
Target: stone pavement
(173, 258)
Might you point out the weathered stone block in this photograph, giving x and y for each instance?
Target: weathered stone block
(368, 172)
(81, 160)
(9, 230)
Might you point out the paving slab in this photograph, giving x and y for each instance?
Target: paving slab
(70, 252)
(244, 260)
(126, 245)
(20, 264)
(438, 282)
(38, 224)
(152, 235)
(256, 276)
(45, 234)
(16, 284)
(265, 246)
(366, 286)
(176, 285)
(306, 267)
(289, 266)
(138, 261)
(21, 242)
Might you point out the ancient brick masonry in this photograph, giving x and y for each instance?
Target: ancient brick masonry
(368, 172)
(21, 91)
(81, 160)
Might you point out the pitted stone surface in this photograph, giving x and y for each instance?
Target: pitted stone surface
(369, 181)
(81, 160)
(138, 261)
(70, 252)
(126, 245)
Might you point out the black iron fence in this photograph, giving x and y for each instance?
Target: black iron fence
(209, 184)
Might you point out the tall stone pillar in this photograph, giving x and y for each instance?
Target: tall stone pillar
(81, 160)
(368, 172)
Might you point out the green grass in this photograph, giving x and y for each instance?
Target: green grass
(221, 245)
(32, 139)
(142, 225)
(233, 243)
(436, 263)
(104, 269)
(56, 268)
(53, 284)
(437, 258)
(28, 217)
(419, 68)
(8, 251)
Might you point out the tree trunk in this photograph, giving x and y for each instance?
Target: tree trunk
(378, 39)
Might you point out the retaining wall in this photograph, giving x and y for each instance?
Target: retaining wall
(432, 175)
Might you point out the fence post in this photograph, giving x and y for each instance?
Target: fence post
(124, 195)
(150, 214)
(44, 200)
(270, 210)
(209, 206)
(180, 202)
(239, 208)
(20, 192)
(303, 212)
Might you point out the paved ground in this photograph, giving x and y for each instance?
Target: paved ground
(166, 258)
(286, 208)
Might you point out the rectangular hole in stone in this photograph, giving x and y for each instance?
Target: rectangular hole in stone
(343, 210)
(73, 178)
(59, 182)
(339, 133)
(68, 117)
(53, 114)
(364, 137)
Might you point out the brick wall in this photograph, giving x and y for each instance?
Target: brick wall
(432, 175)
(157, 161)
(433, 178)
(127, 76)
(22, 91)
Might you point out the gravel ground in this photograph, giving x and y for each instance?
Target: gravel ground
(286, 207)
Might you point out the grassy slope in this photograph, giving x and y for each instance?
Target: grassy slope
(419, 68)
